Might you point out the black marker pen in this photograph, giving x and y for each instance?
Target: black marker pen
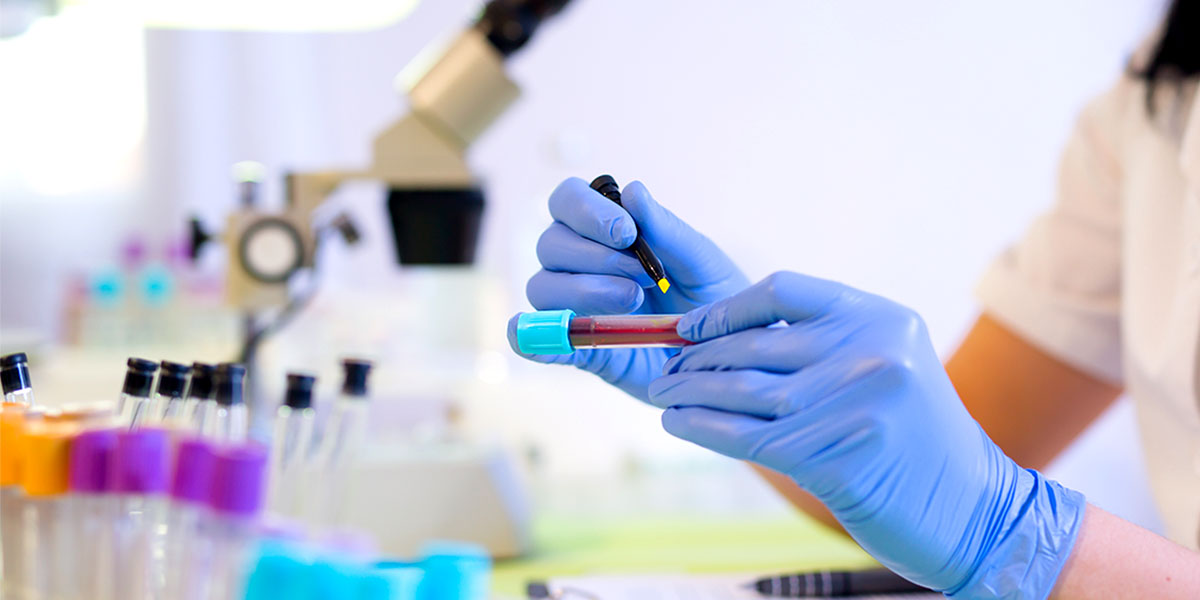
(607, 186)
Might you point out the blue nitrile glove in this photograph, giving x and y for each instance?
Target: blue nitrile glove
(848, 398)
(585, 269)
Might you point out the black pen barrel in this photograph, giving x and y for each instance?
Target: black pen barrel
(836, 584)
(649, 260)
(879, 581)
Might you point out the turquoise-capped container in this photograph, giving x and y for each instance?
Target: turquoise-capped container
(545, 332)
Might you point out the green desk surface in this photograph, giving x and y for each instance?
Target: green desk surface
(692, 544)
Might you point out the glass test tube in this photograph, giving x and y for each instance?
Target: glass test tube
(291, 445)
(231, 420)
(200, 406)
(187, 551)
(561, 331)
(140, 476)
(14, 379)
(235, 502)
(18, 396)
(133, 405)
(94, 510)
(44, 476)
(343, 440)
(168, 394)
(19, 540)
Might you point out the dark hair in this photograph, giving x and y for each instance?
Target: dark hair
(1176, 56)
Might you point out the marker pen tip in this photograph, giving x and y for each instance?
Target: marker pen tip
(664, 285)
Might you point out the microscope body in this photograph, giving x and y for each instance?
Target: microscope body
(434, 201)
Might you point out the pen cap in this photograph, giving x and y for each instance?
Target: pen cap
(229, 380)
(202, 381)
(14, 372)
(545, 332)
(356, 371)
(607, 186)
(46, 462)
(172, 378)
(91, 453)
(139, 462)
(299, 391)
(191, 480)
(238, 478)
(139, 375)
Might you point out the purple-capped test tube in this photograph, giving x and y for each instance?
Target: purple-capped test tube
(139, 473)
(236, 502)
(191, 485)
(93, 509)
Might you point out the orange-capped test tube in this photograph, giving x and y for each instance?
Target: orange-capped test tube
(45, 467)
(14, 423)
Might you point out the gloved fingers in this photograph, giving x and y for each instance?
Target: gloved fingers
(749, 392)
(732, 434)
(689, 257)
(585, 294)
(561, 249)
(782, 296)
(576, 205)
(773, 349)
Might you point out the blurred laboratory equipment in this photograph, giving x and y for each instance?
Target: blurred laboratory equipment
(96, 509)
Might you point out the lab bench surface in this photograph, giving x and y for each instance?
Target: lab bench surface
(565, 545)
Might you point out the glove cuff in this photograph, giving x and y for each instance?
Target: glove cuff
(1026, 560)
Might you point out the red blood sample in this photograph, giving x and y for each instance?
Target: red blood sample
(608, 331)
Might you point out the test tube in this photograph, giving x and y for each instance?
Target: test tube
(187, 551)
(139, 472)
(200, 406)
(238, 478)
(17, 540)
(18, 396)
(291, 444)
(44, 474)
(14, 379)
(94, 510)
(134, 402)
(231, 418)
(343, 440)
(562, 331)
(168, 393)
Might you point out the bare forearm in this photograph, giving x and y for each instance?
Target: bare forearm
(1114, 558)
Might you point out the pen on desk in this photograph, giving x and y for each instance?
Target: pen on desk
(607, 186)
(835, 583)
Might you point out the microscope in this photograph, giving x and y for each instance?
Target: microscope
(435, 206)
(435, 203)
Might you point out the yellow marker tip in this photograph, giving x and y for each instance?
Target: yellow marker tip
(664, 285)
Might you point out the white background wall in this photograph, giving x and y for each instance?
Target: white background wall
(894, 146)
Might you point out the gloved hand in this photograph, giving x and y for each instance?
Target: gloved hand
(848, 398)
(585, 269)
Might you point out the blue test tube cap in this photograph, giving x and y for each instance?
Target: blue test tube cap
(544, 332)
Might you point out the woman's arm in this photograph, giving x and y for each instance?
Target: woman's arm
(1030, 403)
(1114, 558)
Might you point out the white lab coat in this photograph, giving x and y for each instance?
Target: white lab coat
(1109, 279)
